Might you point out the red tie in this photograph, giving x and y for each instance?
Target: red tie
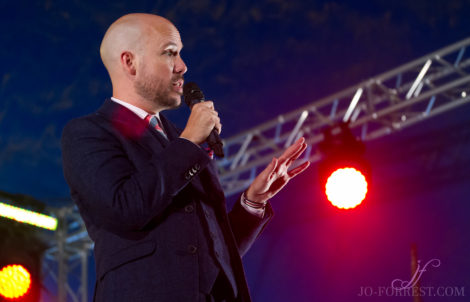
(155, 123)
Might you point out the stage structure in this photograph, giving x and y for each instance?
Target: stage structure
(65, 263)
(389, 102)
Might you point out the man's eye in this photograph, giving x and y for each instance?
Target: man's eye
(171, 53)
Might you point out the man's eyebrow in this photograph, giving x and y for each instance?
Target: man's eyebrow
(170, 44)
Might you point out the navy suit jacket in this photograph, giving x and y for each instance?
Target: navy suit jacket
(136, 192)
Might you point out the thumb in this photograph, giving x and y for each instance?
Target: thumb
(272, 167)
(268, 172)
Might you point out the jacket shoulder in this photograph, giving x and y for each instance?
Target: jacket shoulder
(88, 123)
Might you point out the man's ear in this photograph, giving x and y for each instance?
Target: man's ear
(128, 63)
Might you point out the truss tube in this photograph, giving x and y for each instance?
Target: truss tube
(348, 91)
(84, 275)
(294, 132)
(71, 242)
(441, 52)
(61, 257)
(420, 98)
(415, 79)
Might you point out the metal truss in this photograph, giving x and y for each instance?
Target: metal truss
(391, 101)
(396, 99)
(65, 263)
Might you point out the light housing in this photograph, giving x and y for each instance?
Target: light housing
(344, 172)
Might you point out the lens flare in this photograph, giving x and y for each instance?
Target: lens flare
(346, 188)
(15, 281)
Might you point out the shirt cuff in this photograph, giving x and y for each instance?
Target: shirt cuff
(257, 212)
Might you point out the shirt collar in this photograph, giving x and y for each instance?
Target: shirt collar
(138, 111)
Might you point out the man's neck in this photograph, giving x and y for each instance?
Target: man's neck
(137, 101)
(138, 111)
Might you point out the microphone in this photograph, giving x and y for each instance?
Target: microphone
(193, 95)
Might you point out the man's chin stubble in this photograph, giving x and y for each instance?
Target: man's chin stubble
(168, 103)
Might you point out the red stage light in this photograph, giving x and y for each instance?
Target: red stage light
(15, 281)
(346, 188)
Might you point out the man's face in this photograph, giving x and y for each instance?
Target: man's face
(159, 77)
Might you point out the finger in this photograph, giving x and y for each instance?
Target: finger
(271, 168)
(213, 112)
(208, 104)
(218, 126)
(294, 172)
(212, 121)
(201, 106)
(296, 155)
(276, 187)
(292, 149)
(281, 182)
(266, 173)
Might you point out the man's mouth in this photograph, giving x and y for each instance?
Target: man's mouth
(178, 83)
(178, 86)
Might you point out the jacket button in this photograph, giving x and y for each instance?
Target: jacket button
(197, 166)
(187, 176)
(189, 208)
(192, 249)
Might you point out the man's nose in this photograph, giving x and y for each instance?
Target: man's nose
(180, 67)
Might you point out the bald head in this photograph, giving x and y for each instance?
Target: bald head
(142, 55)
(128, 33)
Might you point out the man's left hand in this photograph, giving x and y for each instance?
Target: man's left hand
(276, 175)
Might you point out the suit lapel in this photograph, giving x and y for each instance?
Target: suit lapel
(170, 130)
(129, 125)
(134, 128)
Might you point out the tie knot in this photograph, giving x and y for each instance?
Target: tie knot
(155, 123)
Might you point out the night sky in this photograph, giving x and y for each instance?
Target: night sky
(256, 60)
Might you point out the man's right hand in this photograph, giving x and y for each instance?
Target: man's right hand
(202, 120)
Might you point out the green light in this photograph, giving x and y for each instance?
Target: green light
(26, 216)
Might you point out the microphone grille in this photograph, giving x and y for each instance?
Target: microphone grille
(192, 92)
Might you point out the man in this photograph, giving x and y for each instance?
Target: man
(148, 193)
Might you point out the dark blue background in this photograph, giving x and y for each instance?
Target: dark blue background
(258, 59)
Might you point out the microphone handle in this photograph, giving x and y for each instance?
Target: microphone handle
(213, 140)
